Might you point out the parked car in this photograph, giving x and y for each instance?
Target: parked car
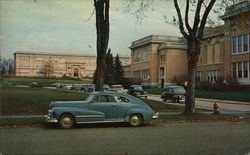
(118, 88)
(137, 91)
(60, 85)
(101, 107)
(76, 87)
(175, 93)
(34, 84)
(67, 86)
(105, 87)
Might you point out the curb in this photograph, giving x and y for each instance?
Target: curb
(213, 100)
(14, 120)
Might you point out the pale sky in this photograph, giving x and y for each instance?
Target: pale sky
(61, 26)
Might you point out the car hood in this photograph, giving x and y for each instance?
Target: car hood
(66, 104)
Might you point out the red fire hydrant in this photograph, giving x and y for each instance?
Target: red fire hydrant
(216, 108)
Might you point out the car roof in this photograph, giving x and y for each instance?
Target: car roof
(174, 86)
(135, 86)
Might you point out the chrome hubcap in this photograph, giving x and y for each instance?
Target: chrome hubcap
(66, 121)
(134, 120)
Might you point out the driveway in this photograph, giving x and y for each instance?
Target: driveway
(196, 138)
(223, 107)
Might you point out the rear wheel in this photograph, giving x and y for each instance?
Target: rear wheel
(66, 121)
(135, 120)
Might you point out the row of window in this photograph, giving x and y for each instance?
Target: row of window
(212, 76)
(142, 74)
(141, 56)
(241, 43)
(24, 65)
(241, 69)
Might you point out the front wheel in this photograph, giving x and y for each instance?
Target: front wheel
(66, 121)
(135, 120)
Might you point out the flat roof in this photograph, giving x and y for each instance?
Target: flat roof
(58, 54)
(155, 39)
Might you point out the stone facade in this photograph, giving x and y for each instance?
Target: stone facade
(156, 59)
(225, 51)
(33, 64)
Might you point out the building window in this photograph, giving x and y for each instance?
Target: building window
(245, 69)
(245, 43)
(241, 43)
(212, 75)
(162, 58)
(24, 57)
(198, 76)
(145, 55)
(241, 69)
(162, 72)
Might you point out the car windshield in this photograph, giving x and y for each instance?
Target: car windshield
(90, 97)
(138, 88)
(179, 89)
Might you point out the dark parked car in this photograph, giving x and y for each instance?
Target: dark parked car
(137, 91)
(101, 107)
(34, 84)
(175, 93)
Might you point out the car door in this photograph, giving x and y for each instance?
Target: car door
(105, 104)
(123, 104)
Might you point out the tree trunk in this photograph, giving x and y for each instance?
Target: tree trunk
(193, 54)
(102, 31)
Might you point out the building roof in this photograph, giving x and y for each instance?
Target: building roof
(235, 9)
(58, 54)
(154, 39)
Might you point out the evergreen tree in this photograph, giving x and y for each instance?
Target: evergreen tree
(119, 72)
(109, 72)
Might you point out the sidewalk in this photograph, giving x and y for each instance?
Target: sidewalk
(212, 100)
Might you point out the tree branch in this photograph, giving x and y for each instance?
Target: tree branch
(197, 15)
(180, 19)
(204, 18)
(186, 17)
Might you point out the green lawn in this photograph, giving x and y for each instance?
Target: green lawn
(231, 96)
(32, 101)
(44, 82)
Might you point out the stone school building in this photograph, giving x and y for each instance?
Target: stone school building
(41, 64)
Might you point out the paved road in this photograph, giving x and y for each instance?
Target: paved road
(223, 107)
(200, 138)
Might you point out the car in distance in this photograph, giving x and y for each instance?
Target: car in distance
(175, 93)
(137, 91)
(101, 107)
(118, 88)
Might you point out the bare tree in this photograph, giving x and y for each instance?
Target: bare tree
(102, 31)
(194, 36)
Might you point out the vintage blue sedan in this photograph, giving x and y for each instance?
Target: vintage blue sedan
(101, 107)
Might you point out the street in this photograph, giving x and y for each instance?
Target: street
(223, 107)
(195, 138)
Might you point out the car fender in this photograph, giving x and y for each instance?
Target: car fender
(58, 111)
(146, 114)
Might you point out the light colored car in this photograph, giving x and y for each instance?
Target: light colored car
(118, 88)
(101, 107)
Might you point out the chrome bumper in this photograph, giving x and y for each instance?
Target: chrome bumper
(156, 115)
(49, 118)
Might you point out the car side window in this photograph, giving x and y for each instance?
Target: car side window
(104, 98)
(122, 99)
